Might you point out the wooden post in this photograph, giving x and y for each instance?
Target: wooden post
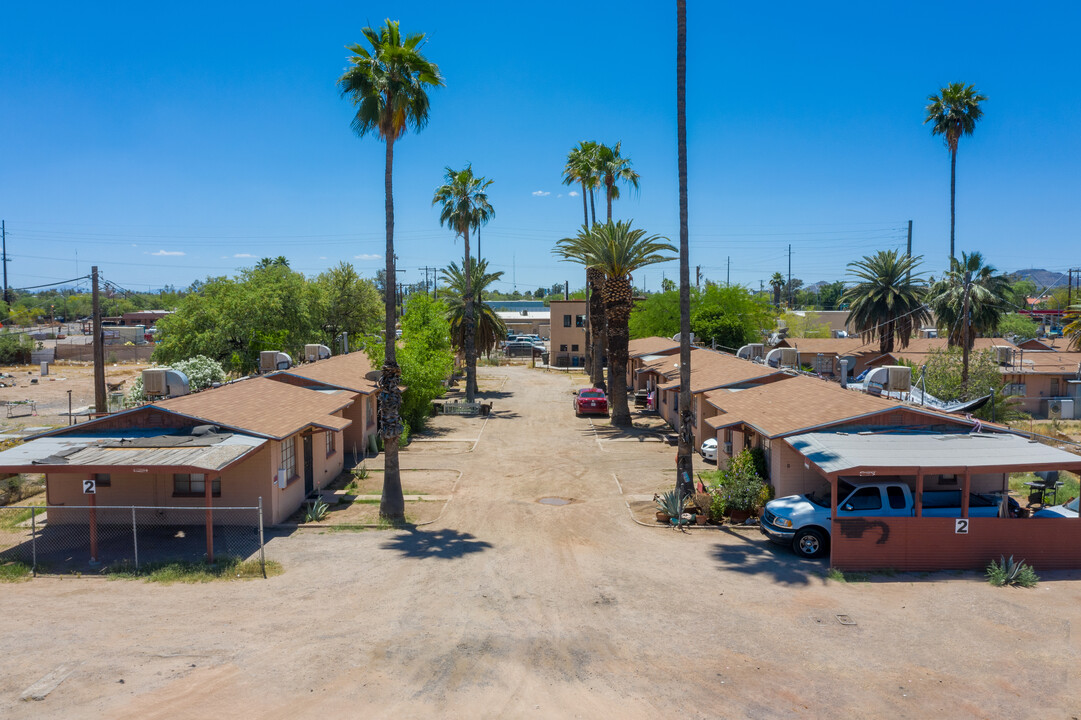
(919, 494)
(207, 485)
(966, 488)
(92, 501)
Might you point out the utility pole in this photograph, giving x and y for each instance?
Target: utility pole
(790, 275)
(566, 289)
(728, 273)
(698, 276)
(908, 252)
(100, 401)
(4, 238)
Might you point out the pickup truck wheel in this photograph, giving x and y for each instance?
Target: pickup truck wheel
(809, 543)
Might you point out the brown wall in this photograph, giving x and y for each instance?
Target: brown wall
(932, 543)
(361, 412)
(122, 353)
(569, 336)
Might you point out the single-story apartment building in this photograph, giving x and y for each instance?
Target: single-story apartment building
(824, 355)
(764, 416)
(643, 350)
(352, 373)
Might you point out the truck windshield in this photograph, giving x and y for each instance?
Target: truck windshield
(821, 496)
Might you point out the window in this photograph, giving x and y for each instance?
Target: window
(574, 348)
(867, 498)
(194, 485)
(103, 479)
(579, 321)
(1010, 389)
(330, 443)
(566, 321)
(896, 496)
(563, 347)
(289, 457)
(1054, 387)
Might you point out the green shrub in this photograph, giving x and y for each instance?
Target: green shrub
(1008, 572)
(15, 348)
(738, 486)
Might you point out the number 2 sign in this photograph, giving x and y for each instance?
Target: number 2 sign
(960, 526)
(90, 487)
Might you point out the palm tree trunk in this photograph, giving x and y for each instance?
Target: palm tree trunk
(965, 337)
(589, 312)
(608, 193)
(470, 328)
(592, 207)
(685, 449)
(392, 503)
(595, 279)
(617, 305)
(953, 195)
(585, 207)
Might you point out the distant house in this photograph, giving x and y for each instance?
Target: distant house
(643, 350)
(824, 355)
(1043, 380)
(568, 333)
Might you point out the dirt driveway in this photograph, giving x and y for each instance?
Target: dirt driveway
(507, 607)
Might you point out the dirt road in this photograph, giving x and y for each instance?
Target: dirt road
(507, 607)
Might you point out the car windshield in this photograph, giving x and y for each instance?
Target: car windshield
(591, 394)
(821, 495)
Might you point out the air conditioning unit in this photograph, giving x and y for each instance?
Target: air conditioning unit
(1003, 354)
(271, 360)
(783, 358)
(891, 378)
(753, 351)
(165, 382)
(1054, 409)
(316, 352)
(728, 448)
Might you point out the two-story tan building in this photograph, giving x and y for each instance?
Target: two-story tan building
(568, 333)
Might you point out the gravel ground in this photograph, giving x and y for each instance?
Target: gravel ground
(507, 607)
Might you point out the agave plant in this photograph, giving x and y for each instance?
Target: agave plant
(316, 511)
(1007, 572)
(671, 503)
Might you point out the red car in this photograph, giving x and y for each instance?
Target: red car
(590, 401)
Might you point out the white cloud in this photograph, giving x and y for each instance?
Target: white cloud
(541, 193)
(243, 255)
(322, 257)
(168, 253)
(367, 256)
(559, 195)
(573, 193)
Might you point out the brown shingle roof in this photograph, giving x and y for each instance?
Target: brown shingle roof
(650, 346)
(349, 372)
(668, 366)
(798, 403)
(1044, 362)
(264, 407)
(837, 346)
(711, 369)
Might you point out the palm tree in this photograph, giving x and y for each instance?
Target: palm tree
(616, 250)
(388, 84)
(1072, 330)
(885, 302)
(610, 166)
(970, 299)
(581, 161)
(685, 448)
(490, 329)
(777, 282)
(952, 114)
(464, 197)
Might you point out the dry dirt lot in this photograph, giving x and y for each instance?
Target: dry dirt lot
(506, 607)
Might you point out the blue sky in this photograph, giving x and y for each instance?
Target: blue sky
(169, 142)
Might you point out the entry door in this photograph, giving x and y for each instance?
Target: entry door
(309, 475)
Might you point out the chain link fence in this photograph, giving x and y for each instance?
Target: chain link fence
(58, 540)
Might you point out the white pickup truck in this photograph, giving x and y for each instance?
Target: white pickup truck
(803, 521)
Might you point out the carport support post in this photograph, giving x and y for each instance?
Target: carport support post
(919, 494)
(92, 500)
(207, 485)
(966, 488)
(833, 511)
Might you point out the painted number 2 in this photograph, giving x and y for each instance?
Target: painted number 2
(960, 526)
(90, 487)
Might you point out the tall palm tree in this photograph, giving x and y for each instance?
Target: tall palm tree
(953, 113)
(388, 84)
(464, 198)
(685, 448)
(617, 250)
(969, 300)
(490, 328)
(1072, 330)
(611, 167)
(580, 168)
(887, 300)
(777, 282)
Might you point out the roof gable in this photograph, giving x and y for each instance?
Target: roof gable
(352, 371)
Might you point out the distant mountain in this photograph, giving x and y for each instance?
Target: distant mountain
(1042, 278)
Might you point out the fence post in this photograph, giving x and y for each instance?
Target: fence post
(34, 540)
(135, 537)
(262, 554)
